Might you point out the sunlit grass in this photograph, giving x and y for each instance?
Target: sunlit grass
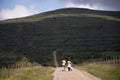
(105, 72)
(33, 73)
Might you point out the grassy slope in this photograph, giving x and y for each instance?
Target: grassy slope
(105, 72)
(33, 73)
(76, 33)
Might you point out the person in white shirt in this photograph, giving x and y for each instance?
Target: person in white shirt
(69, 65)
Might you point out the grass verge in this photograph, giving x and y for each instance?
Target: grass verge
(33, 73)
(105, 72)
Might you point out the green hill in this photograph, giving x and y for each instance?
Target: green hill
(76, 34)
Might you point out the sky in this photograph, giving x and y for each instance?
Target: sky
(10, 9)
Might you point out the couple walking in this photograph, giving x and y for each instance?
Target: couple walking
(68, 63)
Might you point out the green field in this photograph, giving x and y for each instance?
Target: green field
(105, 72)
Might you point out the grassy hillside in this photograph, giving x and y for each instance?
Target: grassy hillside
(77, 34)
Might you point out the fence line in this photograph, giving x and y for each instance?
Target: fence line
(114, 60)
(7, 72)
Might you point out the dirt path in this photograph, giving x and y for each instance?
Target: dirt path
(72, 75)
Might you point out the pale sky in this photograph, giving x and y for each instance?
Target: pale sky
(20, 8)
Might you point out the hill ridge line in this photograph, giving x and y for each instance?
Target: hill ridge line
(28, 19)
